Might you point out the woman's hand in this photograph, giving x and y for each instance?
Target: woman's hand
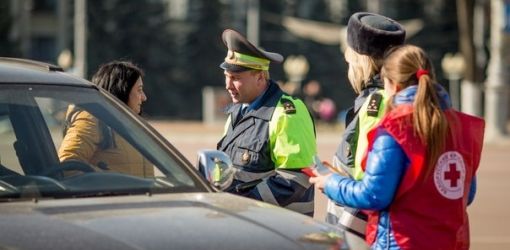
(319, 181)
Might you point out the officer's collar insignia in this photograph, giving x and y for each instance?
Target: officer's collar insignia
(245, 157)
(288, 106)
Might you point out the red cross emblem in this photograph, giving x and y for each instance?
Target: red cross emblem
(452, 175)
(449, 175)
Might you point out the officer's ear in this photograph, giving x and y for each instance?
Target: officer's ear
(259, 75)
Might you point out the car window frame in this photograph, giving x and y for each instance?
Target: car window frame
(165, 145)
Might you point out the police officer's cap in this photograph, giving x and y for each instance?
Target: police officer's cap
(242, 55)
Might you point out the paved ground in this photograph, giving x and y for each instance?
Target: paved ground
(488, 214)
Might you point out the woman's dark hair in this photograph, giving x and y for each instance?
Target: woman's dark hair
(117, 77)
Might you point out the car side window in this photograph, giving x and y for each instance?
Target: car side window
(8, 158)
(122, 154)
(53, 112)
(78, 135)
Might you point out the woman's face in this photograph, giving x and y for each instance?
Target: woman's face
(137, 96)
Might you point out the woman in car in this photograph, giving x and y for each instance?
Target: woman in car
(89, 140)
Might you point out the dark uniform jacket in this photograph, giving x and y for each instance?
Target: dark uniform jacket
(346, 151)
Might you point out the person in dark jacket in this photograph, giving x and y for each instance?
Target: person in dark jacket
(269, 135)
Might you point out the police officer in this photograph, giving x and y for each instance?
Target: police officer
(369, 35)
(269, 135)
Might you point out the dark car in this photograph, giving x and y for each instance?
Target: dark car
(47, 203)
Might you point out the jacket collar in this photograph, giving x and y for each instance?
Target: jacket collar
(407, 96)
(263, 107)
(373, 85)
(374, 82)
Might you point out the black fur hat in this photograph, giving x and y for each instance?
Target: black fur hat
(371, 34)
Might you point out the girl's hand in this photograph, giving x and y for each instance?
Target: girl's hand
(319, 181)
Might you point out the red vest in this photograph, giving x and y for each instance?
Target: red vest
(430, 212)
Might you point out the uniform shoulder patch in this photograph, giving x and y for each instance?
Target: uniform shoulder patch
(288, 106)
(373, 104)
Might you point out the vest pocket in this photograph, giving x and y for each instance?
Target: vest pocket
(247, 154)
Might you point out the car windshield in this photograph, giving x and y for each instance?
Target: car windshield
(67, 141)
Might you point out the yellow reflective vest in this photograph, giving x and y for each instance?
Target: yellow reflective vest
(370, 114)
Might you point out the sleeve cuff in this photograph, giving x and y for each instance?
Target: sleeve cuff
(331, 188)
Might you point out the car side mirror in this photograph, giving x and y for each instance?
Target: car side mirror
(216, 167)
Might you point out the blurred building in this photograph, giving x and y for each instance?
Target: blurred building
(36, 27)
(178, 42)
(44, 28)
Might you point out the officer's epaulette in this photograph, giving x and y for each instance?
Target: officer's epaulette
(373, 104)
(288, 106)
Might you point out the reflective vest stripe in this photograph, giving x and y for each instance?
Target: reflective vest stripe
(350, 220)
(246, 176)
(265, 193)
(297, 177)
(332, 212)
(301, 207)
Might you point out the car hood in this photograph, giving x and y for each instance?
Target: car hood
(169, 221)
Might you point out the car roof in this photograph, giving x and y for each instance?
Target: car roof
(18, 70)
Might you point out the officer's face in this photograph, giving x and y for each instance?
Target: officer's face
(245, 86)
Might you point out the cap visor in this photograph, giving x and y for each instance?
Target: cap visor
(232, 67)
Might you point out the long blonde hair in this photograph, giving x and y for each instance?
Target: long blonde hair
(429, 122)
(361, 68)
